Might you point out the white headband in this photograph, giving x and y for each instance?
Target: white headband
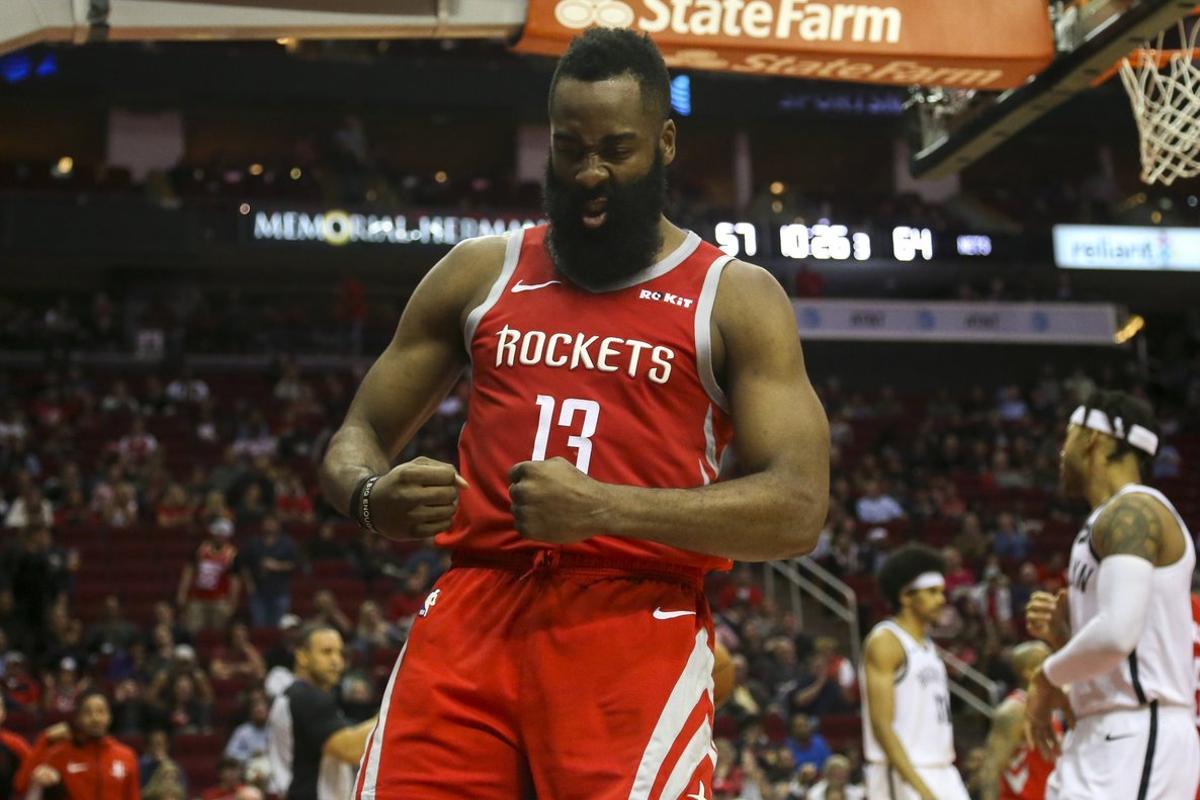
(1097, 420)
(926, 580)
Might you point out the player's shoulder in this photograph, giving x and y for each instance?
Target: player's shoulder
(473, 261)
(750, 298)
(882, 645)
(120, 750)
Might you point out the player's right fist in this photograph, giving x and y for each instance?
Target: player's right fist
(1047, 618)
(416, 499)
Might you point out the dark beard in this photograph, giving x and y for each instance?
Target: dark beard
(627, 242)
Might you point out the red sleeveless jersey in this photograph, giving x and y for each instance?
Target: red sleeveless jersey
(1027, 772)
(619, 382)
(213, 567)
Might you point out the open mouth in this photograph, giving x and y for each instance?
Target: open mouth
(595, 213)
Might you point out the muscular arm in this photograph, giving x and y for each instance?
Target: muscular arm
(781, 437)
(1002, 742)
(414, 373)
(1130, 537)
(883, 657)
(348, 743)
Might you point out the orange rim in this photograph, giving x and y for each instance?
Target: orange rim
(1141, 56)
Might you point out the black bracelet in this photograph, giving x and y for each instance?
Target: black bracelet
(360, 503)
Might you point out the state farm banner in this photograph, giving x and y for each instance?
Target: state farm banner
(970, 44)
(984, 323)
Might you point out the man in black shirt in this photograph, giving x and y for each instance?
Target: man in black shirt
(311, 746)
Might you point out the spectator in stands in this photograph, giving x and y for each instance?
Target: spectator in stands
(743, 589)
(292, 501)
(747, 697)
(113, 632)
(806, 746)
(821, 687)
(875, 507)
(130, 712)
(238, 658)
(1005, 476)
(1009, 540)
(971, 542)
(250, 738)
(252, 508)
(268, 564)
(175, 510)
(39, 574)
(13, 752)
(20, 689)
(326, 546)
(1026, 584)
(62, 688)
(958, 576)
(835, 777)
(327, 613)
(209, 586)
(112, 772)
(179, 704)
(187, 389)
(289, 387)
(254, 437)
(137, 446)
(161, 775)
(119, 400)
(164, 614)
(229, 781)
(29, 509)
(225, 475)
(373, 632)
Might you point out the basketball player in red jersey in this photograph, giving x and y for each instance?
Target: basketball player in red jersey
(1011, 769)
(614, 358)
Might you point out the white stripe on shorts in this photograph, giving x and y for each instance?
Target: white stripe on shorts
(689, 761)
(369, 765)
(695, 681)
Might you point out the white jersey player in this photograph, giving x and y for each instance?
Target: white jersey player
(1123, 630)
(908, 738)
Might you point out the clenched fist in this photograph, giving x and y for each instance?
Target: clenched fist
(554, 502)
(1047, 617)
(416, 499)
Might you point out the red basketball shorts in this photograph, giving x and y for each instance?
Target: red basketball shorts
(569, 681)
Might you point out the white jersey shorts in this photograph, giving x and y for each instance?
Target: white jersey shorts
(1148, 753)
(885, 783)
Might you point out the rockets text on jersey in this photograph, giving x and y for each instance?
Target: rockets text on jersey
(619, 382)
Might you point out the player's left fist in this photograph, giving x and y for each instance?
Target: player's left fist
(554, 502)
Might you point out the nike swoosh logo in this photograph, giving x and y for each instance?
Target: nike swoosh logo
(529, 287)
(73, 768)
(1111, 738)
(660, 614)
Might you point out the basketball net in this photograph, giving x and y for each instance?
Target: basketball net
(1164, 91)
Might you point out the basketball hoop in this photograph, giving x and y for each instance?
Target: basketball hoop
(1163, 85)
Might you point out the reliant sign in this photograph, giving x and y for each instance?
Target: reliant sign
(972, 44)
(1126, 247)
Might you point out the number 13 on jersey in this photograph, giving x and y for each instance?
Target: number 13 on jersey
(582, 441)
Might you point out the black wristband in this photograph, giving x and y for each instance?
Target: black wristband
(360, 503)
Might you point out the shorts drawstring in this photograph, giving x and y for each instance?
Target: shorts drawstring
(544, 563)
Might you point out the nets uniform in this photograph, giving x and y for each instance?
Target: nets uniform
(583, 671)
(921, 720)
(1135, 734)
(1025, 776)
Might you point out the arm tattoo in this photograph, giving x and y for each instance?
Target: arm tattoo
(1130, 527)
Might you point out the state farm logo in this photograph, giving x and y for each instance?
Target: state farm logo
(782, 20)
(580, 14)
